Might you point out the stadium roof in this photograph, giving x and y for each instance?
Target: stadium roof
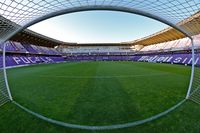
(29, 36)
(170, 34)
(32, 37)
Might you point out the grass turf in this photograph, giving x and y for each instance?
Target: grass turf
(99, 93)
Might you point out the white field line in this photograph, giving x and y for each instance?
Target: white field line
(104, 77)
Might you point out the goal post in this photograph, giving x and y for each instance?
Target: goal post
(194, 88)
(4, 72)
(192, 71)
(5, 94)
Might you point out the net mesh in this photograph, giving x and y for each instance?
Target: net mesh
(195, 91)
(4, 97)
(15, 14)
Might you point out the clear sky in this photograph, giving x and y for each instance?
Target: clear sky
(98, 27)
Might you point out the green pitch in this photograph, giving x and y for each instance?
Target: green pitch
(98, 93)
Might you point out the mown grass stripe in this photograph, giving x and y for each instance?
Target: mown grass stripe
(104, 77)
(109, 127)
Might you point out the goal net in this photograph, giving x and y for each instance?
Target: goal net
(194, 94)
(182, 14)
(4, 94)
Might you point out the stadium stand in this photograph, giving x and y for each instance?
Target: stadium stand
(29, 48)
(174, 52)
(26, 54)
(15, 60)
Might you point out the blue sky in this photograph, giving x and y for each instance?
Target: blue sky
(98, 27)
